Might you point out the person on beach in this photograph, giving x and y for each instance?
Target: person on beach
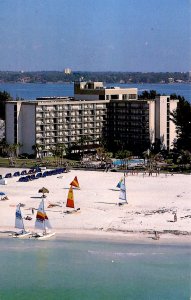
(156, 235)
(175, 217)
(32, 211)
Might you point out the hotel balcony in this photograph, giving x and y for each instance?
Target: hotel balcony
(39, 116)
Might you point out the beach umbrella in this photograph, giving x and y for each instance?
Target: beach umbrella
(2, 194)
(43, 191)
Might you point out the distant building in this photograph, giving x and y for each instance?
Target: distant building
(97, 112)
(96, 90)
(189, 76)
(165, 129)
(67, 71)
(171, 80)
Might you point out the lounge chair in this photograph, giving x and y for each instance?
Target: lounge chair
(4, 198)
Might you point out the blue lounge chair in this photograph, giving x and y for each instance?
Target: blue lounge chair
(8, 175)
(38, 175)
(16, 174)
(24, 172)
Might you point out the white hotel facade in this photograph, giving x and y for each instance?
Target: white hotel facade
(96, 112)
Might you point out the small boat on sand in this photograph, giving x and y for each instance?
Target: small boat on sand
(70, 203)
(75, 183)
(19, 223)
(122, 193)
(42, 222)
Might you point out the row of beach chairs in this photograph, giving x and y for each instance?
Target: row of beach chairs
(42, 174)
(24, 172)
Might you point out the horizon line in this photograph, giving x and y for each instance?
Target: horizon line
(78, 71)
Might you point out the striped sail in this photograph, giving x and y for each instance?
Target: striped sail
(42, 221)
(70, 199)
(75, 182)
(18, 218)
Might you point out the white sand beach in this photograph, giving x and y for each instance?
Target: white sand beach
(151, 203)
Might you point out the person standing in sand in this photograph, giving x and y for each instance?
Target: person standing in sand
(156, 237)
(175, 217)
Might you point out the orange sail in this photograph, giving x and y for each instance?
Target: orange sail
(70, 199)
(75, 182)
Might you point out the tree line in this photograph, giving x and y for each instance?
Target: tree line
(108, 77)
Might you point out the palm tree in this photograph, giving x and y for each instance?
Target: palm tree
(36, 147)
(3, 146)
(60, 151)
(12, 151)
(124, 156)
(150, 156)
(16, 147)
(83, 141)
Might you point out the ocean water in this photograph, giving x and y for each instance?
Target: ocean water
(33, 90)
(87, 270)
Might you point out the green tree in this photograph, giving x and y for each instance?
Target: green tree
(103, 155)
(37, 149)
(4, 96)
(124, 156)
(60, 151)
(182, 119)
(184, 157)
(150, 156)
(148, 95)
(83, 143)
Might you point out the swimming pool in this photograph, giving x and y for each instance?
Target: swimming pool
(131, 162)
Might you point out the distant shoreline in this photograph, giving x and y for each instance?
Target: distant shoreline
(121, 77)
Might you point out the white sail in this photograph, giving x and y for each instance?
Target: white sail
(42, 221)
(18, 218)
(122, 193)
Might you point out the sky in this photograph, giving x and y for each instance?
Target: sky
(95, 35)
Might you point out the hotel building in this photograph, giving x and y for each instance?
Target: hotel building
(96, 112)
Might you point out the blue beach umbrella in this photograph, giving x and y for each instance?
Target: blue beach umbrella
(2, 194)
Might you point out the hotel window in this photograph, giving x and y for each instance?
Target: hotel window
(114, 97)
(132, 96)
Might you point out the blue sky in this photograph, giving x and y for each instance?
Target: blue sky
(95, 35)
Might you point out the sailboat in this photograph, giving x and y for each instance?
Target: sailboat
(42, 222)
(119, 183)
(75, 182)
(70, 202)
(19, 223)
(122, 193)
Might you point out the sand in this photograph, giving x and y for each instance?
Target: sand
(151, 204)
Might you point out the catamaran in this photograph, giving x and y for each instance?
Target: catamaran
(75, 183)
(42, 222)
(119, 183)
(19, 223)
(70, 202)
(122, 193)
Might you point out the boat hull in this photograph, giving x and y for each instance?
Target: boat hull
(21, 235)
(45, 236)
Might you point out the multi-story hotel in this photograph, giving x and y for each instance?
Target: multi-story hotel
(96, 112)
